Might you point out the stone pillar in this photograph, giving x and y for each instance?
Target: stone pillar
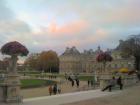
(12, 82)
(13, 65)
(104, 79)
(13, 88)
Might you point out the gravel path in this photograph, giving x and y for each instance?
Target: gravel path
(43, 91)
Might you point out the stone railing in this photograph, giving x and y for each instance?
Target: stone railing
(127, 80)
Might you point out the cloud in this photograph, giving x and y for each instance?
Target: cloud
(77, 22)
(81, 42)
(96, 37)
(12, 29)
(126, 14)
(5, 12)
(72, 28)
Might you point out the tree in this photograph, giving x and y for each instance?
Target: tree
(4, 63)
(32, 62)
(104, 57)
(49, 61)
(131, 47)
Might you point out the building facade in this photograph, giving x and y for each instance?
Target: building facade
(73, 61)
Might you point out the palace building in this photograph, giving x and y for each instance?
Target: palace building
(73, 61)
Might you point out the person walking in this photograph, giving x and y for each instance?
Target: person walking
(59, 89)
(112, 83)
(88, 82)
(77, 82)
(119, 82)
(72, 82)
(55, 89)
(69, 78)
(50, 90)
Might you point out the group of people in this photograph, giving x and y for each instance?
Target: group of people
(74, 80)
(54, 89)
(114, 82)
(90, 83)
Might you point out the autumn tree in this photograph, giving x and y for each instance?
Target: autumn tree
(48, 61)
(32, 62)
(131, 47)
(3, 64)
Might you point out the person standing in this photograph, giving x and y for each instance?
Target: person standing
(88, 82)
(55, 89)
(50, 90)
(77, 82)
(119, 82)
(59, 89)
(72, 82)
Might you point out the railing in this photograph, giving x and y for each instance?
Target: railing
(128, 80)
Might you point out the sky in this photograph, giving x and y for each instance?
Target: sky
(56, 24)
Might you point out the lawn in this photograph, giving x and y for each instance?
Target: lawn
(32, 83)
(86, 78)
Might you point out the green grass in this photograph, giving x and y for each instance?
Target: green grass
(32, 83)
(44, 75)
(81, 77)
(85, 78)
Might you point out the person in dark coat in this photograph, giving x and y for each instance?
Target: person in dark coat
(77, 82)
(72, 83)
(55, 89)
(88, 82)
(69, 78)
(138, 75)
(119, 82)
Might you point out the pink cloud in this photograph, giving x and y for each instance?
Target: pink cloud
(70, 28)
(100, 34)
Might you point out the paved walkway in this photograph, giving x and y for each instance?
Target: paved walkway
(128, 96)
(66, 98)
(43, 91)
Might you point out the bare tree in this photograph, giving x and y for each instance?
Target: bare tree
(131, 47)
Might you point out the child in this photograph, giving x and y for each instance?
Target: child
(50, 90)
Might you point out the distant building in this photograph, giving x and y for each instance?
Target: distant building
(72, 61)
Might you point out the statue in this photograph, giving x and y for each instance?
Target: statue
(12, 82)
